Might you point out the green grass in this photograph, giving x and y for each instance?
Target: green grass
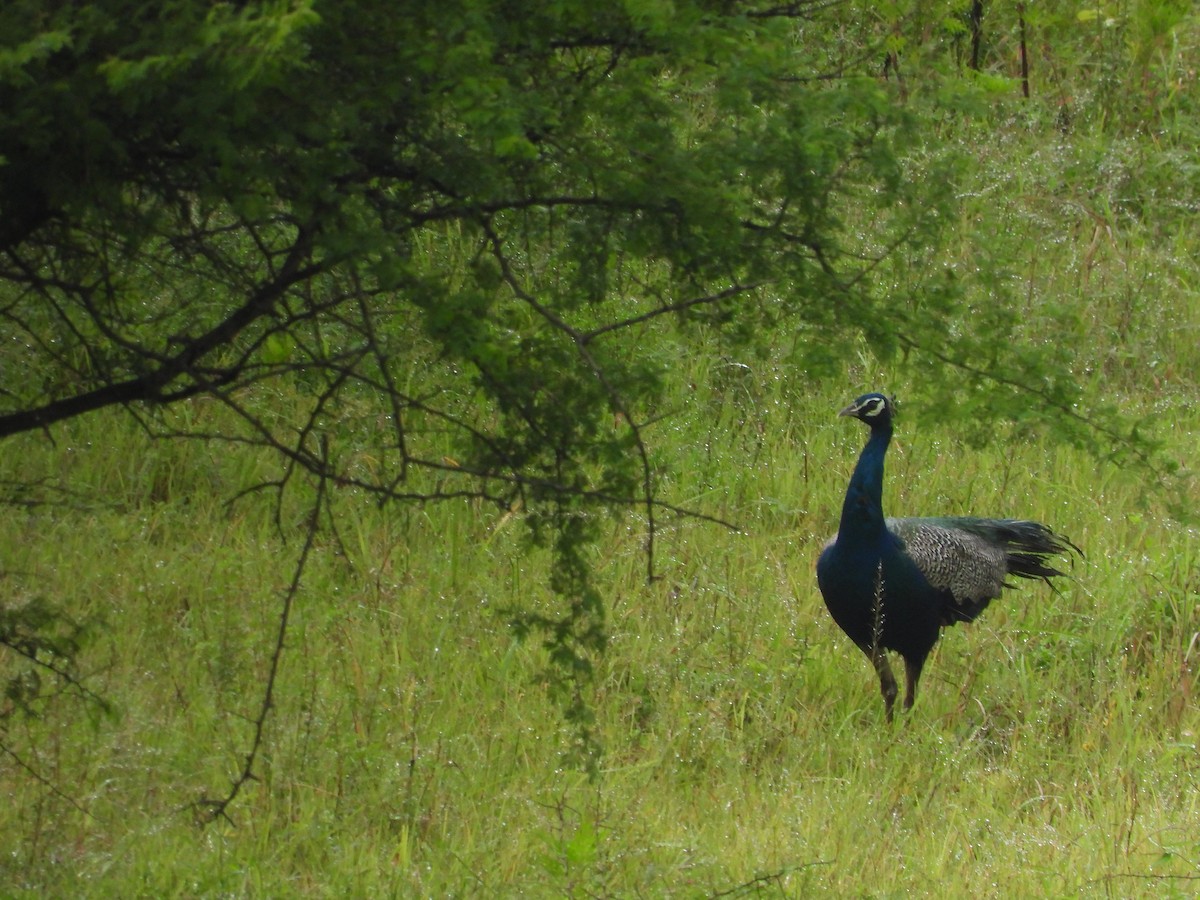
(413, 749)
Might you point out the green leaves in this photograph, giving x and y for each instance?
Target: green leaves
(17, 60)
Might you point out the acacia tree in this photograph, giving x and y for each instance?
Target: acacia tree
(202, 199)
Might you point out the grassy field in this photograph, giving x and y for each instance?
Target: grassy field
(412, 749)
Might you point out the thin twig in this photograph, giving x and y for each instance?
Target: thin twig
(208, 810)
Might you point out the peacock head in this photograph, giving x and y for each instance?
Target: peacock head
(874, 409)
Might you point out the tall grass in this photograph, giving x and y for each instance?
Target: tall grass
(412, 749)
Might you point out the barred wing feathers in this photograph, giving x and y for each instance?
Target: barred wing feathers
(969, 558)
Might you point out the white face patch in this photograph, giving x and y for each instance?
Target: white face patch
(874, 406)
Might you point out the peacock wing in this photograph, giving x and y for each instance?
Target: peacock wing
(955, 561)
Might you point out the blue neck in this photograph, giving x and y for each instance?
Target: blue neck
(862, 511)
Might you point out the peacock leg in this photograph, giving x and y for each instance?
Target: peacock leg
(887, 681)
(912, 674)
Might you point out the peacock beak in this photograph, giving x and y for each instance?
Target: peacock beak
(851, 410)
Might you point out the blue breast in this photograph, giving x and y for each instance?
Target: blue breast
(849, 570)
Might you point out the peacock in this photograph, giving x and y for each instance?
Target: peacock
(893, 584)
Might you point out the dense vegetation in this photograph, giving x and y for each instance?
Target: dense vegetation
(264, 634)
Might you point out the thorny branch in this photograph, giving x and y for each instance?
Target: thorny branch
(206, 809)
(153, 385)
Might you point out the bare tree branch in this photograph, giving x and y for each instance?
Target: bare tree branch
(152, 386)
(207, 809)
